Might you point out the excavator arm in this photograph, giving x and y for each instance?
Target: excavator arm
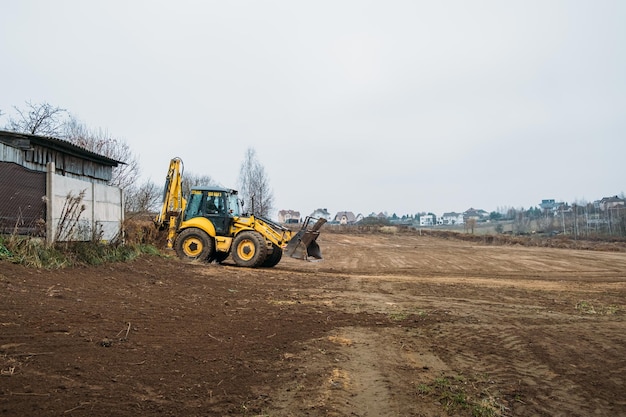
(173, 201)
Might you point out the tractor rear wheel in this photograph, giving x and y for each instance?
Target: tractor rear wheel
(249, 249)
(194, 243)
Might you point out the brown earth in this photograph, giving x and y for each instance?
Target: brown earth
(386, 325)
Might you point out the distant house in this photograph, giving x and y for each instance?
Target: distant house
(561, 208)
(548, 205)
(427, 220)
(452, 218)
(321, 213)
(610, 202)
(39, 177)
(345, 217)
(551, 206)
(288, 216)
(476, 214)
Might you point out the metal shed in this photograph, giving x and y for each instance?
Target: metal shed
(37, 176)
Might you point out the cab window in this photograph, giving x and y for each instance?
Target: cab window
(195, 205)
(215, 202)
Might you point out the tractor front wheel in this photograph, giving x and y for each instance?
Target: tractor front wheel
(249, 249)
(194, 243)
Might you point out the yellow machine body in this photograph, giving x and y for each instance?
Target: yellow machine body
(209, 225)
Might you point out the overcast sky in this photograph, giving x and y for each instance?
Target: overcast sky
(362, 106)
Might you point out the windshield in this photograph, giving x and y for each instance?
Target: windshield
(194, 205)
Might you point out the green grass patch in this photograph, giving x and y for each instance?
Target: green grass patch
(398, 316)
(401, 315)
(36, 253)
(588, 307)
(460, 395)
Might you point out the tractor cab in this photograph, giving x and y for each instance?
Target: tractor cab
(219, 205)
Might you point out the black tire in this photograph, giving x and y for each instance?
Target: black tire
(193, 243)
(273, 258)
(249, 249)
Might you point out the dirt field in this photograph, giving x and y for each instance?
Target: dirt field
(386, 325)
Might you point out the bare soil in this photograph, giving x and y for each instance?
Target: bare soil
(385, 325)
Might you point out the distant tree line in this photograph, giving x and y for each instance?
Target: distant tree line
(579, 220)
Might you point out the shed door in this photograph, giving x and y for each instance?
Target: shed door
(22, 200)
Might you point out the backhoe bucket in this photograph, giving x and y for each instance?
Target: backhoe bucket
(303, 245)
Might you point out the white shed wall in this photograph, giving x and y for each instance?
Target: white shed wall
(102, 216)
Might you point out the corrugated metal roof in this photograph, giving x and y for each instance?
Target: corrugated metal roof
(23, 141)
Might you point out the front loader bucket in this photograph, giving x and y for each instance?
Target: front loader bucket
(303, 245)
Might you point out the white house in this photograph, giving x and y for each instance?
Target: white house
(452, 218)
(427, 220)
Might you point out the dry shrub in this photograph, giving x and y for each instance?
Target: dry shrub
(366, 229)
(389, 229)
(144, 232)
(536, 240)
(559, 242)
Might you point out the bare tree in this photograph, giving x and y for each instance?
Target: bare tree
(470, 224)
(143, 199)
(191, 180)
(101, 142)
(45, 119)
(254, 186)
(41, 119)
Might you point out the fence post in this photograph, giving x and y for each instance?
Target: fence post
(94, 224)
(49, 202)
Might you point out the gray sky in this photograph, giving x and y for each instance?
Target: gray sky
(363, 106)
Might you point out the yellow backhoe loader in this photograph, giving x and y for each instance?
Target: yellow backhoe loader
(210, 225)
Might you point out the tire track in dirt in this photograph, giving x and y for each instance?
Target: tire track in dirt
(368, 371)
(459, 257)
(358, 385)
(537, 360)
(365, 376)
